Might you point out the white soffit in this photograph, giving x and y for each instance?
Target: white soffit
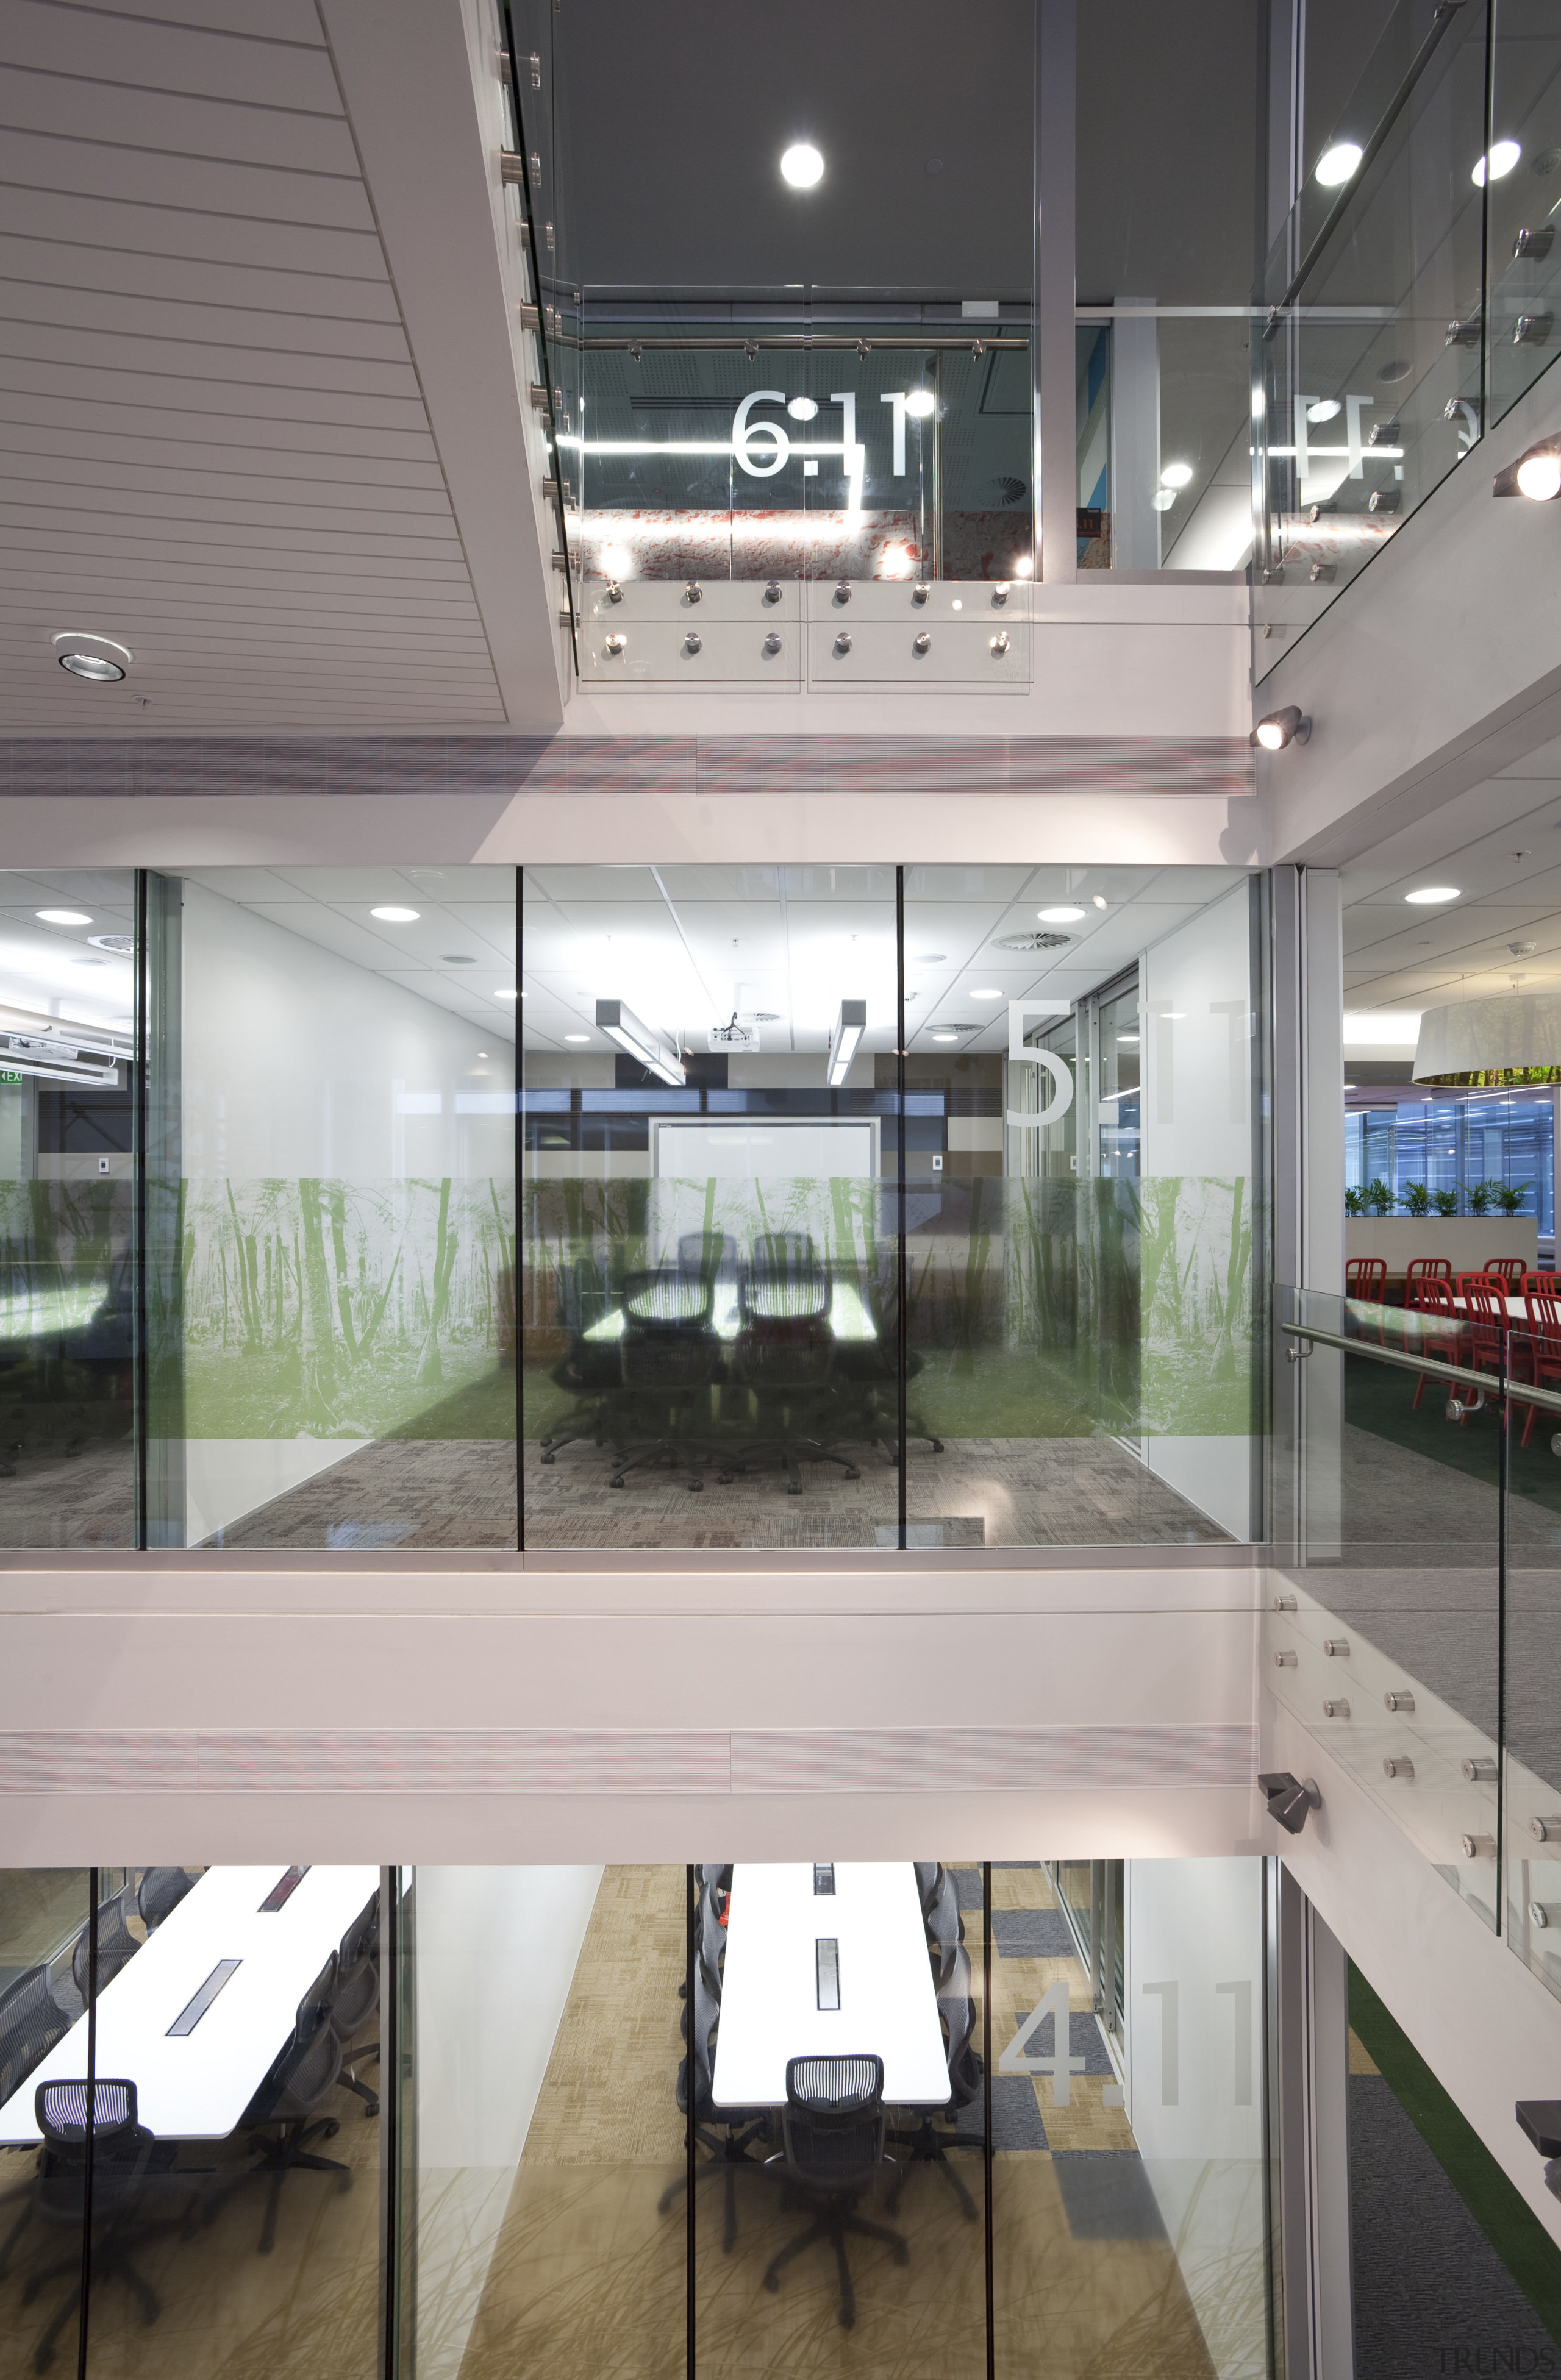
(220, 424)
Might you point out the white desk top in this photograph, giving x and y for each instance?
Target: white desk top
(197, 2087)
(769, 1991)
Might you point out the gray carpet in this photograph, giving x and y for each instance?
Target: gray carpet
(1428, 2283)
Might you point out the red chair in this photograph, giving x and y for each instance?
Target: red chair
(1366, 1277)
(1467, 1280)
(1512, 1268)
(1443, 1343)
(1548, 1284)
(1485, 1305)
(1421, 1269)
(1543, 1348)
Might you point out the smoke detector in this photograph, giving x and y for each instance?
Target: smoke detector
(1522, 949)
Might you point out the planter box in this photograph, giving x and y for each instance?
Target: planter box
(1466, 1242)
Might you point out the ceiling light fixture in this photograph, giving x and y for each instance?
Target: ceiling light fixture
(654, 1051)
(63, 916)
(1536, 474)
(1176, 475)
(1100, 900)
(1162, 498)
(850, 1023)
(1504, 155)
(945, 1036)
(389, 914)
(1065, 913)
(99, 659)
(1281, 727)
(1428, 895)
(1025, 567)
(509, 991)
(577, 1036)
(919, 403)
(801, 165)
(803, 408)
(987, 993)
(1511, 1040)
(1338, 163)
(1327, 408)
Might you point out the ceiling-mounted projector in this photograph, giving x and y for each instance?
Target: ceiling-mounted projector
(733, 1035)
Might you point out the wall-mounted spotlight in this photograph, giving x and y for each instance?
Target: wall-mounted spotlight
(1281, 727)
(1289, 1799)
(1536, 473)
(849, 1027)
(654, 1051)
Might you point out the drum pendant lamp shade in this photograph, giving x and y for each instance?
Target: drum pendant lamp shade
(1508, 1041)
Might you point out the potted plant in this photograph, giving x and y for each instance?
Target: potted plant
(1446, 1203)
(1509, 1195)
(1479, 1196)
(1379, 1196)
(1355, 1202)
(1416, 1200)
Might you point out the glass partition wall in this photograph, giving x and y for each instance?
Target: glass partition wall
(631, 1207)
(821, 1162)
(453, 2122)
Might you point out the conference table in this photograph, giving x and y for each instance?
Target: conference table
(850, 1318)
(195, 2018)
(827, 1960)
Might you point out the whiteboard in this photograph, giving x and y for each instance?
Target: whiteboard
(749, 1148)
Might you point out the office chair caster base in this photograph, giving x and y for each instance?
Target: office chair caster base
(549, 1458)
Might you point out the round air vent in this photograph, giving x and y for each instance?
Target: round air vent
(761, 1016)
(122, 945)
(1006, 490)
(953, 1026)
(1031, 941)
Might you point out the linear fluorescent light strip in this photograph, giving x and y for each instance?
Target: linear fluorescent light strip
(56, 1061)
(849, 1027)
(653, 1050)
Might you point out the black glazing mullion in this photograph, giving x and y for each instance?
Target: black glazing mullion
(688, 2144)
(900, 1268)
(92, 1876)
(1503, 1489)
(986, 2105)
(519, 1180)
(139, 1122)
(390, 2126)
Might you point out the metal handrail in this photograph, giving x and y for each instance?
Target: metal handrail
(1526, 1391)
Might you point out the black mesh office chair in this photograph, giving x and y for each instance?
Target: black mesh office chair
(124, 2161)
(868, 1370)
(159, 1893)
(668, 1354)
(282, 2116)
(707, 1256)
(589, 1368)
(710, 1936)
(357, 1999)
(946, 1927)
(726, 2134)
(116, 1942)
(784, 1356)
(832, 2127)
(956, 2014)
(32, 2021)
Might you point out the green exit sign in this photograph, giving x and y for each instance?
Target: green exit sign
(8, 1074)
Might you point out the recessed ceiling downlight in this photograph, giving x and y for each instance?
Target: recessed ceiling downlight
(1336, 165)
(100, 659)
(1066, 913)
(63, 916)
(1430, 894)
(919, 403)
(801, 165)
(390, 914)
